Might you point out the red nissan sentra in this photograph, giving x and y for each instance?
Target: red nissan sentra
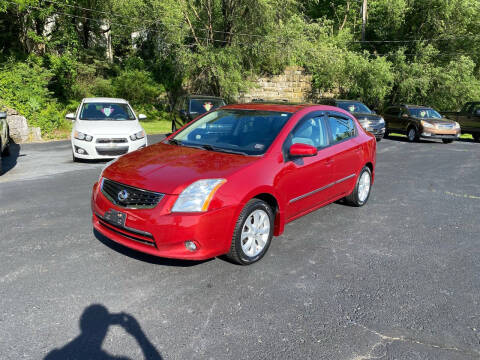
(230, 180)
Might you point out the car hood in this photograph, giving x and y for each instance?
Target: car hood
(436, 121)
(362, 116)
(170, 168)
(114, 127)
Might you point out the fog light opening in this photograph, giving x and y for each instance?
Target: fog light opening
(190, 245)
(81, 151)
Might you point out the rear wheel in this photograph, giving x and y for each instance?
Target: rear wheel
(412, 134)
(361, 192)
(253, 233)
(447, 141)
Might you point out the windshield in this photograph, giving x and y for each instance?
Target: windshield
(248, 132)
(201, 106)
(354, 107)
(424, 113)
(106, 112)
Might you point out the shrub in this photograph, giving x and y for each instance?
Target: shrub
(137, 86)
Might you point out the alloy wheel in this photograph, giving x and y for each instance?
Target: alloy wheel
(255, 233)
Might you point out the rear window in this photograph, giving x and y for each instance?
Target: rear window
(201, 106)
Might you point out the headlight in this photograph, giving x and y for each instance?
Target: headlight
(138, 136)
(457, 125)
(197, 196)
(381, 121)
(81, 136)
(426, 124)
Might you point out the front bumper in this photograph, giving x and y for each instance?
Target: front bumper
(161, 233)
(106, 150)
(435, 134)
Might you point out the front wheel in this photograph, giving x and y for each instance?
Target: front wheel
(412, 135)
(447, 141)
(253, 233)
(361, 192)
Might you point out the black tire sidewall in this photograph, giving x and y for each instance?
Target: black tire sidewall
(249, 208)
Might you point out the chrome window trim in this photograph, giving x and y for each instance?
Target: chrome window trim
(321, 189)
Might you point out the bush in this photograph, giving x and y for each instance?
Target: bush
(137, 87)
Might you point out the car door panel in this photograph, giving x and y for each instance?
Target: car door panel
(306, 181)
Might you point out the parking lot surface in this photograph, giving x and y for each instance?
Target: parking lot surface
(396, 279)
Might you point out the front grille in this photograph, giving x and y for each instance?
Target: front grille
(106, 151)
(130, 235)
(445, 126)
(128, 196)
(114, 141)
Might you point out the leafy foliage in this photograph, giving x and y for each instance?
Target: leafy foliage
(55, 53)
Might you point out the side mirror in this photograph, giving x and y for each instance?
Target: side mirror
(302, 150)
(142, 116)
(3, 115)
(404, 116)
(70, 116)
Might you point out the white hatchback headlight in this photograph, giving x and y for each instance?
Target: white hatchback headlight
(197, 196)
(139, 135)
(81, 136)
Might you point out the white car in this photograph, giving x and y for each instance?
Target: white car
(105, 128)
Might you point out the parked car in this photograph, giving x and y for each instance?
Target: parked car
(105, 128)
(231, 180)
(4, 138)
(468, 118)
(420, 122)
(369, 120)
(189, 107)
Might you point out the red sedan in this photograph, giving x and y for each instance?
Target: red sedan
(229, 181)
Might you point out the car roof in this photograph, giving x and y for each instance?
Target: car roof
(105, 99)
(290, 108)
(204, 97)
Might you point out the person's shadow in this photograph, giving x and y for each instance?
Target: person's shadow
(94, 324)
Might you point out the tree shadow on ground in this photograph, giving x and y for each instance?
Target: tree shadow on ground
(137, 255)
(94, 324)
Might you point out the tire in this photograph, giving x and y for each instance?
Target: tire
(447, 141)
(476, 137)
(74, 158)
(357, 198)
(386, 134)
(379, 139)
(412, 134)
(259, 242)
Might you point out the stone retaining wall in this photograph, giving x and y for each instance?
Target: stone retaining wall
(294, 85)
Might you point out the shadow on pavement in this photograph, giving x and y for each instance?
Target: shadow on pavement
(420, 141)
(10, 161)
(94, 324)
(137, 255)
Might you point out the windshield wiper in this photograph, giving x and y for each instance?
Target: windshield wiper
(174, 142)
(229, 151)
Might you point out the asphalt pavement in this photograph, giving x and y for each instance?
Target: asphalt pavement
(396, 279)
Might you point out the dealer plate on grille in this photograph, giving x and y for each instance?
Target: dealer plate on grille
(115, 217)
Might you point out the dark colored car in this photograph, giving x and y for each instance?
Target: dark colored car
(4, 138)
(231, 179)
(369, 120)
(468, 118)
(189, 107)
(420, 122)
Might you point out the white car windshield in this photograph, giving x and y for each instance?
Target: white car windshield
(102, 111)
(248, 132)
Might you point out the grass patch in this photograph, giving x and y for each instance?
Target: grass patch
(157, 127)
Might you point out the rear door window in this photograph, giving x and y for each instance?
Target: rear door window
(341, 128)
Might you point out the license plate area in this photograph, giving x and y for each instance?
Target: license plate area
(115, 217)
